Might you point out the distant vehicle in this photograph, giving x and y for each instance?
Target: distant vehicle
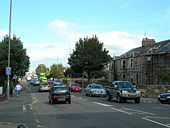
(44, 87)
(57, 82)
(44, 80)
(122, 91)
(59, 94)
(50, 81)
(28, 78)
(32, 81)
(165, 97)
(75, 87)
(95, 90)
(36, 83)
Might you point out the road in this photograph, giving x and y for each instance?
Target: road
(89, 112)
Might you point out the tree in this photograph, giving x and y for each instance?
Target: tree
(88, 56)
(70, 73)
(57, 71)
(41, 69)
(19, 60)
(162, 75)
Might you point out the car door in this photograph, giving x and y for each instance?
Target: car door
(88, 89)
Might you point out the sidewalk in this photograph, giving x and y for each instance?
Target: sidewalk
(24, 98)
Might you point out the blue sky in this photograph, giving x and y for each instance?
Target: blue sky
(50, 28)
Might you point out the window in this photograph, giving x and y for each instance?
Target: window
(124, 77)
(149, 61)
(131, 78)
(131, 63)
(124, 64)
(161, 61)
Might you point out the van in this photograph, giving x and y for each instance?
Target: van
(44, 79)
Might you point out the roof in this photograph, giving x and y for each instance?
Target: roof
(163, 46)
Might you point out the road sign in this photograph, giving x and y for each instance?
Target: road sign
(8, 71)
(14, 77)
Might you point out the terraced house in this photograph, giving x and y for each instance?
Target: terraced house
(145, 65)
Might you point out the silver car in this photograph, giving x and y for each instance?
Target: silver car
(44, 87)
(95, 90)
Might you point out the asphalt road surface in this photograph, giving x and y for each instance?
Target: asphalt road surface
(87, 112)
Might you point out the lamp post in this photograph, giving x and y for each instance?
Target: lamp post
(9, 47)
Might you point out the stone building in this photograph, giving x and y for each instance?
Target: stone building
(144, 64)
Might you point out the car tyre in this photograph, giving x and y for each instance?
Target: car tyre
(137, 101)
(69, 101)
(52, 101)
(90, 94)
(49, 101)
(108, 97)
(119, 99)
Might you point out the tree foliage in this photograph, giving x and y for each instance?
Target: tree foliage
(88, 56)
(19, 60)
(162, 75)
(57, 71)
(41, 69)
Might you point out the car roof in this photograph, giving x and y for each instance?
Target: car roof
(57, 86)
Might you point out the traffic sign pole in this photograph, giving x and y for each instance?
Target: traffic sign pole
(9, 47)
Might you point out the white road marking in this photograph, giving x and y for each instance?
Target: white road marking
(166, 118)
(24, 108)
(122, 111)
(156, 122)
(106, 105)
(140, 112)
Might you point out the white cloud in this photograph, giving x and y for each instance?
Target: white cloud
(3, 33)
(47, 53)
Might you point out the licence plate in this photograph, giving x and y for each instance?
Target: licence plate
(62, 99)
(162, 98)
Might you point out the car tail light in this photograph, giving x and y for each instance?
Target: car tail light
(48, 86)
(54, 96)
(40, 86)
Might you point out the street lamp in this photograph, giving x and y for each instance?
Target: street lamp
(9, 47)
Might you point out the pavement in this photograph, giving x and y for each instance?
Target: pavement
(24, 98)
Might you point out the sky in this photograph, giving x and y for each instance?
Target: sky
(49, 29)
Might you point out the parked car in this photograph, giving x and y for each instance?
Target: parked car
(165, 97)
(59, 93)
(32, 81)
(95, 90)
(36, 83)
(57, 82)
(50, 81)
(75, 87)
(122, 91)
(44, 87)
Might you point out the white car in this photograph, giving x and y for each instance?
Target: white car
(95, 90)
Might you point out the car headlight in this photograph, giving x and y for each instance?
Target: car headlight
(159, 96)
(125, 92)
(138, 92)
(168, 97)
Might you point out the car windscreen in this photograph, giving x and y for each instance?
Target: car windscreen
(75, 85)
(125, 85)
(97, 86)
(58, 89)
(57, 80)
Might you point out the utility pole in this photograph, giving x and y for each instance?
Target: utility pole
(9, 43)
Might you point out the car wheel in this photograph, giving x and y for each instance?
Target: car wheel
(119, 99)
(52, 101)
(90, 94)
(162, 102)
(108, 97)
(137, 100)
(86, 94)
(49, 101)
(69, 101)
